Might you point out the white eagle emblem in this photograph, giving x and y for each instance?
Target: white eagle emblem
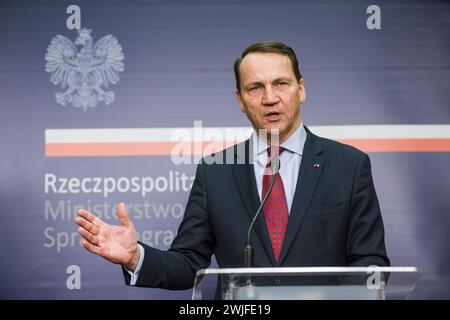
(86, 71)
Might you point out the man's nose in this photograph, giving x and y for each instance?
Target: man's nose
(270, 97)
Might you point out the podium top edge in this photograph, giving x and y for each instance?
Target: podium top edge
(308, 270)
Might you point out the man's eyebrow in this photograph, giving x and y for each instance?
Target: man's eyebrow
(259, 83)
(286, 79)
(253, 83)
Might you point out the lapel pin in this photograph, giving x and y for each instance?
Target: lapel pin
(316, 165)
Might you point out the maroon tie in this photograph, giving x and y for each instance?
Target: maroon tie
(275, 209)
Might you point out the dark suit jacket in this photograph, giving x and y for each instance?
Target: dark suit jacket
(335, 218)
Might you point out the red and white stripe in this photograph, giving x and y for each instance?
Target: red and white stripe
(198, 141)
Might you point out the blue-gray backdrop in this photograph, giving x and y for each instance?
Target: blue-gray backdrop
(178, 69)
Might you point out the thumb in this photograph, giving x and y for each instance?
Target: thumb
(123, 215)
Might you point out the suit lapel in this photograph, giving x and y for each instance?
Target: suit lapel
(310, 170)
(244, 177)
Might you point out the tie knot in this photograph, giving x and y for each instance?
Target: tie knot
(273, 153)
(274, 150)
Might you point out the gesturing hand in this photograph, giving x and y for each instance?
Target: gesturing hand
(117, 244)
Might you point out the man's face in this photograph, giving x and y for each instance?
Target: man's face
(270, 94)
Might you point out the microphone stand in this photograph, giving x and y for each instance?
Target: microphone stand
(248, 248)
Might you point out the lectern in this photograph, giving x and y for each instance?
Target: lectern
(310, 283)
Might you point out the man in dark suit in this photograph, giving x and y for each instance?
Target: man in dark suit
(322, 211)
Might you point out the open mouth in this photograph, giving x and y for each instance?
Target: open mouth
(273, 116)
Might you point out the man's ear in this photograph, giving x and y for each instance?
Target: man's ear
(239, 100)
(302, 90)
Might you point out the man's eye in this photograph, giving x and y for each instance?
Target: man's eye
(281, 83)
(253, 89)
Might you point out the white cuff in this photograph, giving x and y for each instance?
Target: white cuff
(134, 275)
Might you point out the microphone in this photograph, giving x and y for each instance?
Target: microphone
(275, 166)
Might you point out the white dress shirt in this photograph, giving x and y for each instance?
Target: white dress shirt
(134, 275)
(290, 161)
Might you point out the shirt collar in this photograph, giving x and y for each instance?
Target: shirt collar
(295, 143)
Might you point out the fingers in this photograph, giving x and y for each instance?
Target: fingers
(89, 230)
(88, 236)
(90, 247)
(123, 216)
(90, 217)
(87, 225)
